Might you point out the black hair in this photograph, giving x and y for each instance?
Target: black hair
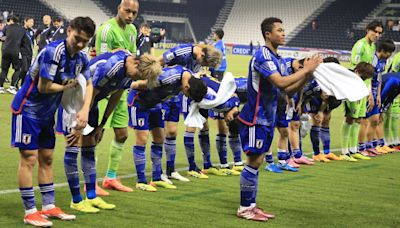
(220, 33)
(13, 18)
(85, 24)
(57, 19)
(301, 61)
(28, 18)
(197, 89)
(374, 24)
(331, 59)
(268, 24)
(386, 45)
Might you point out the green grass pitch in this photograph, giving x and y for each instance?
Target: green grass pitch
(338, 194)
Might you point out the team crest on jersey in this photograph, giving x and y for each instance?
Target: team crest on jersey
(78, 69)
(283, 67)
(170, 56)
(259, 143)
(132, 38)
(141, 122)
(26, 139)
(271, 65)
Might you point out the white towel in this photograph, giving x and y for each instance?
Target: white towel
(225, 91)
(338, 81)
(72, 102)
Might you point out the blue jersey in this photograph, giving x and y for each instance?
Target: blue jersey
(109, 73)
(55, 64)
(379, 66)
(220, 45)
(169, 85)
(241, 89)
(261, 106)
(390, 89)
(182, 55)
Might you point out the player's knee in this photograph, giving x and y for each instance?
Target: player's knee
(28, 160)
(121, 137)
(141, 139)
(171, 133)
(295, 125)
(45, 161)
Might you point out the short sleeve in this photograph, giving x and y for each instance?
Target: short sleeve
(48, 64)
(267, 68)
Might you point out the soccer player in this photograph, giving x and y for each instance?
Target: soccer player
(219, 45)
(350, 126)
(363, 51)
(193, 57)
(319, 106)
(258, 114)
(146, 115)
(27, 48)
(54, 70)
(391, 120)
(226, 112)
(375, 133)
(112, 74)
(117, 33)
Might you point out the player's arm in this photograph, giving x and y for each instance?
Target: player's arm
(296, 81)
(112, 103)
(356, 53)
(104, 40)
(139, 85)
(378, 95)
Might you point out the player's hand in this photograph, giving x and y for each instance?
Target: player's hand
(298, 109)
(81, 119)
(370, 103)
(378, 101)
(230, 116)
(318, 116)
(162, 32)
(310, 64)
(98, 133)
(71, 84)
(73, 137)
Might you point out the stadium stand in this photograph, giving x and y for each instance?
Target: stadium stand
(334, 23)
(243, 22)
(73, 8)
(202, 14)
(36, 9)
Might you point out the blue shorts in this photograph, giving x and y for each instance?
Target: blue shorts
(172, 109)
(31, 134)
(375, 109)
(216, 115)
(145, 119)
(256, 139)
(296, 116)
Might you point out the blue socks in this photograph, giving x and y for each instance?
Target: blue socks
(47, 191)
(170, 150)
(188, 140)
(204, 140)
(28, 198)
(88, 165)
(236, 147)
(315, 135)
(71, 172)
(139, 156)
(220, 141)
(326, 139)
(156, 156)
(248, 186)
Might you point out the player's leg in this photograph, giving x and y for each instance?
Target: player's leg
(119, 122)
(235, 145)
(326, 137)
(171, 117)
(381, 135)
(139, 121)
(283, 154)
(315, 135)
(255, 141)
(294, 139)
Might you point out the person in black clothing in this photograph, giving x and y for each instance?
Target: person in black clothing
(39, 35)
(56, 32)
(146, 40)
(11, 53)
(27, 48)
